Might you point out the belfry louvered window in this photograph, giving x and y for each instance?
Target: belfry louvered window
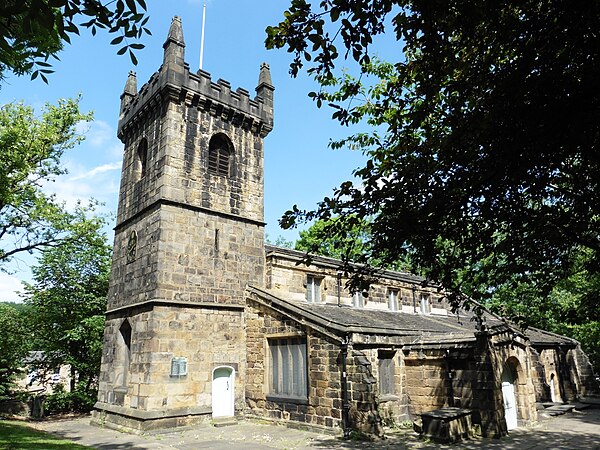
(219, 155)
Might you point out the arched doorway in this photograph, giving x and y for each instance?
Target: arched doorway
(509, 378)
(223, 396)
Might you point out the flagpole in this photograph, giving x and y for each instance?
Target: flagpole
(202, 38)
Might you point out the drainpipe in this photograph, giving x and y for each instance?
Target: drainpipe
(345, 400)
(339, 287)
(450, 379)
(414, 289)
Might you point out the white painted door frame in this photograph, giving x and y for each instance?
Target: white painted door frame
(223, 391)
(509, 398)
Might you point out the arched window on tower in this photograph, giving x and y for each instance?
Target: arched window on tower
(220, 150)
(142, 158)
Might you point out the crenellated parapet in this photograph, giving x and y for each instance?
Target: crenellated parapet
(175, 83)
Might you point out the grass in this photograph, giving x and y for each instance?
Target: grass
(16, 436)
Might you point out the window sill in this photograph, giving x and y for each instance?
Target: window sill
(285, 399)
(388, 398)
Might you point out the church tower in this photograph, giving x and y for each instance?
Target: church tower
(189, 239)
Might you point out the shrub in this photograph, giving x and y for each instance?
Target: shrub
(78, 400)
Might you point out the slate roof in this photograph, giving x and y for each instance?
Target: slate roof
(346, 319)
(539, 337)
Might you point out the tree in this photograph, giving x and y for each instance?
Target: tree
(30, 152)
(32, 31)
(279, 241)
(14, 346)
(483, 143)
(347, 247)
(570, 309)
(346, 238)
(67, 303)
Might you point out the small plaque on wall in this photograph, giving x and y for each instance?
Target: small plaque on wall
(178, 367)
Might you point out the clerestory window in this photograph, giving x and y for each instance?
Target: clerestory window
(425, 304)
(393, 300)
(313, 289)
(358, 301)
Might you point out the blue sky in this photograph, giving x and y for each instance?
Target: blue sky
(299, 168)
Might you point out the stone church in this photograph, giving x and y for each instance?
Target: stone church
(205, 321)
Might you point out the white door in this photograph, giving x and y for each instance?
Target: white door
(223, 392)
(554, 394)
(510, 403)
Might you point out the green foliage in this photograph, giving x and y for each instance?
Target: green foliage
(61, 401)
(30, 152)
(279, 241)
(67, 304)
(482, 150)
(344, 238)
(33, 31)
(347, 238)
(570, 309)
(14, 346)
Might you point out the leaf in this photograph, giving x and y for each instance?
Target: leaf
(133, 58)
(131, 4)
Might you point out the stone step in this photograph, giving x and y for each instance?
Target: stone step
(595, 401)
(558, 410)
(581, 406)
(224, 421)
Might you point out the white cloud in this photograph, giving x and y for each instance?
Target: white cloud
(97, 133)
(81, 184)
(115, 150)
(97, 170)
(9, 285)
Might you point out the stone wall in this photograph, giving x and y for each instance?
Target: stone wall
(136, 191)
(582, 374)
(427, 382)
(284, 274)
(206, 337)
(183, 256)
(511, 350)
(364, 394)
(323, 404)
(538, 373)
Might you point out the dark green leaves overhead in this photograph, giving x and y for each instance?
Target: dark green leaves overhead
(483, 134)
(33, 31)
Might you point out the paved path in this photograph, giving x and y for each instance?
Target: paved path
(573, 431)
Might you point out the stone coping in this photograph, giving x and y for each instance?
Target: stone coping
(447, 414)
(182, 303)
(150, 415)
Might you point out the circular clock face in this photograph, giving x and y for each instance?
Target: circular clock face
(131, 246)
